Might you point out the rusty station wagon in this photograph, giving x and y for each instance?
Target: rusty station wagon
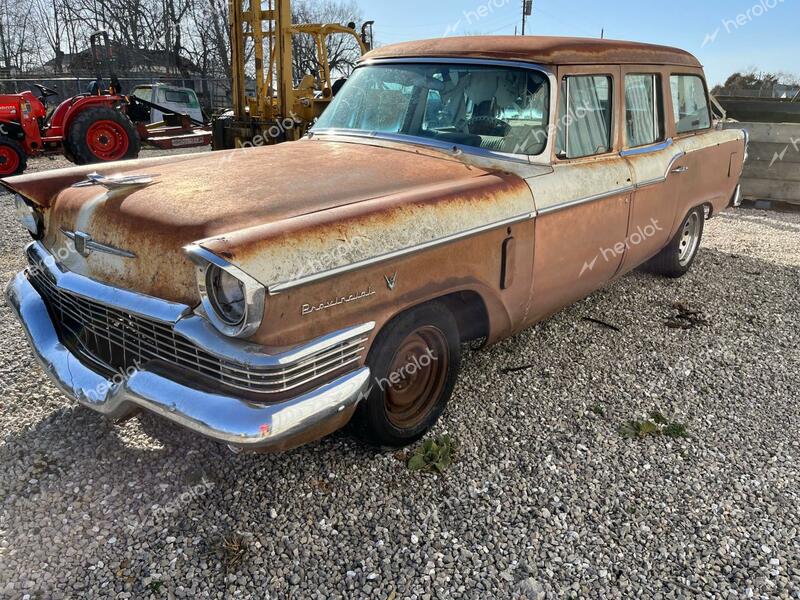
(456, 189)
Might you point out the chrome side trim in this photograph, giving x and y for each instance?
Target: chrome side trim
(622, 190)
(640, 150)
(277, 288)
(254, 293)
(586, 199)
(82, 240)
(135, 303)
(224, 418)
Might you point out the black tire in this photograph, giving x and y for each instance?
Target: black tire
(8, 165)
(379, 419)
(78, 148)
(679, 255)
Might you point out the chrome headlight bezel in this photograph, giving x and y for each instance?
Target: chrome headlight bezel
(30, 217)
(206, 265)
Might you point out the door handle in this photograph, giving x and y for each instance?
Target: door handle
(680, 170)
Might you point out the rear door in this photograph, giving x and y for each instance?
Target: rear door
(652, 155)
(703, 171)
(583, 206)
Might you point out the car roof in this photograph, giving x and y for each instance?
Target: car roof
(544, 50)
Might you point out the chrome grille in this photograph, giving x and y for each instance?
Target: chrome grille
(119, 341)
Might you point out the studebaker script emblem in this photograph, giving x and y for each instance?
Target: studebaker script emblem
(308, 309)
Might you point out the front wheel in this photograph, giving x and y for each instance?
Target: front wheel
(12, 158)
(414, 364)
(677, 258)
(101, 134)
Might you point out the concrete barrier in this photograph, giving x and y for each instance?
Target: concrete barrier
(772, 171)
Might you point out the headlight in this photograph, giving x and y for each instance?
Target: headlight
(31, 218)
(232, 300)
(226, 294)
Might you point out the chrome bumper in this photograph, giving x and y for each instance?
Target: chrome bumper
(736, 200)
(241, 424)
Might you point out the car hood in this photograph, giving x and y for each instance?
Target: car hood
(198, 196)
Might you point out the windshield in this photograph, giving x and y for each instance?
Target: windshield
(497, 108)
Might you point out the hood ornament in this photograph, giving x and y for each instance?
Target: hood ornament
(115, 182)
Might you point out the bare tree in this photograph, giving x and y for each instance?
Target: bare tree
(16, 37)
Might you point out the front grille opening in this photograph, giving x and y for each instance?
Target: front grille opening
(118, 341)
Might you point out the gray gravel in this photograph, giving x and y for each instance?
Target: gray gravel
(545, 497)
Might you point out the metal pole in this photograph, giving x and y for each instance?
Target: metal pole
(527, 11)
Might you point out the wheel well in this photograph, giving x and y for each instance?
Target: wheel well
(470, 312)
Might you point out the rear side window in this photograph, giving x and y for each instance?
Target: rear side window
(584, 123)
(689, 103)
(643, 110)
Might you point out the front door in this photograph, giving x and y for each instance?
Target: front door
(583, 206)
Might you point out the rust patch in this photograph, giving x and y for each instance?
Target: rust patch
(193, 198)
(539, 49)
(294, 249)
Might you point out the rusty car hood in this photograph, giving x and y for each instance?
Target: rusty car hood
(199, 196)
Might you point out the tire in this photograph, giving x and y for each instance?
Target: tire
(414, 363)
(677, 257)
(101, 134)
(13, 159)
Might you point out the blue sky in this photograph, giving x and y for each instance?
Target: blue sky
(749, 33)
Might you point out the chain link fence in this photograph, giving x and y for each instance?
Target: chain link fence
(214, 94)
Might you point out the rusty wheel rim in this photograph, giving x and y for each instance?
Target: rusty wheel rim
(417, 376)
(107, 140)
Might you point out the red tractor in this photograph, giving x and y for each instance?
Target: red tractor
(87, 128)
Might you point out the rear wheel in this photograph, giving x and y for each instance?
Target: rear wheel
(414, 364)
(101, 134)
(13, 159)
(677, 258)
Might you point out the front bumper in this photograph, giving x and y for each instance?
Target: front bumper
(239, 423)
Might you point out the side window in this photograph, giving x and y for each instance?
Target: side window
(584, 122)
(643, 114)
(689, 103)
(176, 96)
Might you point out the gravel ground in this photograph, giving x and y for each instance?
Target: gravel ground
(545, 498)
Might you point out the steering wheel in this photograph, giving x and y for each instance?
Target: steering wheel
(488, 126)
(45, 92)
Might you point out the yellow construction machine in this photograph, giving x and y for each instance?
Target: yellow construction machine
(279, 110)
